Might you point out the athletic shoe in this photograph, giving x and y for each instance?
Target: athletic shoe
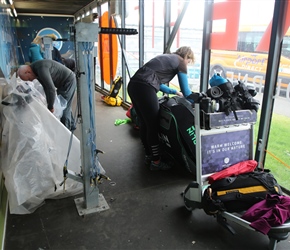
(159, 166)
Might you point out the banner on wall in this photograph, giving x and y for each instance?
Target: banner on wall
(28, 27)
(8, 46)
(49, 31)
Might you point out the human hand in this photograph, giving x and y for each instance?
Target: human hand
(51, 110)
(179, 93)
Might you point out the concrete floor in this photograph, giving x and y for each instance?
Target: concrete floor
(145, 208)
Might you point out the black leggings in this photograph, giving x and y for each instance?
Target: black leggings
(145, 102)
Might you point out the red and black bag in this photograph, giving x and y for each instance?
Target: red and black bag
(239, 193)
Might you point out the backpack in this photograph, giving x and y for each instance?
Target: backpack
(239, 193)
(113, 99)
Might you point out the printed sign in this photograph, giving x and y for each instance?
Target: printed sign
(220, 151)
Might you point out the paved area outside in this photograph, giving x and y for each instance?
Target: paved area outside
(281, 105)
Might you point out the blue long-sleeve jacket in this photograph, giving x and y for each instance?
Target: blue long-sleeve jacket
(35, 53)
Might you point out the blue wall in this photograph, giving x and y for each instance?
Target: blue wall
(28, 27)
(17, 34)
(8, 45)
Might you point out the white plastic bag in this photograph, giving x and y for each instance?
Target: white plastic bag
(33, 152)
(59, 105)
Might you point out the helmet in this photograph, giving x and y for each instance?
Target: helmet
(217, 80)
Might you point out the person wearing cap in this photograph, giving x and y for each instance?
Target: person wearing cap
(54, 77)
(142, 89)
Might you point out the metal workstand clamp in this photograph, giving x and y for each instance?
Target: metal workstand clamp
(85, 35)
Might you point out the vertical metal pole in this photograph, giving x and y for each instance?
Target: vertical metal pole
(205, 57)
(271, 78)
(90, 192)
(175, 28)
(86, 35)
(100, 45)
(167, 19)
(110, 40)
(141, 33)
(123, 48)
(125, 66)
(198, 156)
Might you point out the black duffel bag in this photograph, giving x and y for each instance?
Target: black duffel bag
(239, 193)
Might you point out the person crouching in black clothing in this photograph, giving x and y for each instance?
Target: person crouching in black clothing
(142, 89)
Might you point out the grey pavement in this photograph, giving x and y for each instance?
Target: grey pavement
(281, 104)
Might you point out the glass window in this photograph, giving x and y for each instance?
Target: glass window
(246, 63)
(249, 65)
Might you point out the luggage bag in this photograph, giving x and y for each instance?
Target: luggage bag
(177, 131)
(239, 193)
